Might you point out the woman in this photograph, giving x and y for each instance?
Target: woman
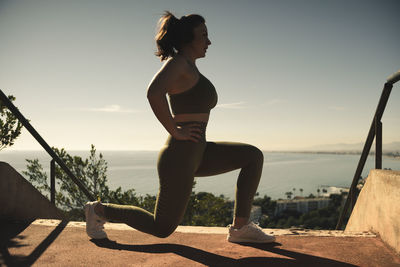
(186, 153)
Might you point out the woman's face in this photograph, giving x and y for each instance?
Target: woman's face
(200, 42)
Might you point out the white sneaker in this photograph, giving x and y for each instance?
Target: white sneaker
(94, 224)
(250, 232)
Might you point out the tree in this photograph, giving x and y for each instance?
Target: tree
(289, 195)
(37, 176)
(301, 191)
(91, 172)
(206, 209)
(127, 197)
(267, 205)
(10, 127)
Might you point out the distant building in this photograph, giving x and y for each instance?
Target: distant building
(301, 205)
(329, 190)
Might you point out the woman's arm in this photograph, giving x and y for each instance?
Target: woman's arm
(159, 105)
(163, 81)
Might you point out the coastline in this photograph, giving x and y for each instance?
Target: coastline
(392, 155)
(284, 170)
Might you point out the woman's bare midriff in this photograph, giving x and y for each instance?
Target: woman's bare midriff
(192, 117)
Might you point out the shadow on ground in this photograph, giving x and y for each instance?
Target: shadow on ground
(10, 238)
(211, 259)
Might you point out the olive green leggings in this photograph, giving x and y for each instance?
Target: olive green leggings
(178, 163)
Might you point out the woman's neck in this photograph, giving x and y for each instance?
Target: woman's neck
(188, 56)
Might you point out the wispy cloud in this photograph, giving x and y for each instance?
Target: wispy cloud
(337, 108)
(112, 109)
(235, 105)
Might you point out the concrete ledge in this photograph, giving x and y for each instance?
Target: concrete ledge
(377, 208)
(20, 200)
(70, 246)
(219, 230)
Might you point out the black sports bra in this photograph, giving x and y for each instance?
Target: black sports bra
(201, 98)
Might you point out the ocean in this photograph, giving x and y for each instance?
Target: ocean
(282, 172)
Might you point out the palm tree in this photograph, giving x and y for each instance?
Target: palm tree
(301, 191)
(318, 191)
(289, 195)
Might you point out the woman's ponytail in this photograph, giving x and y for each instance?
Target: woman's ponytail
(174, 32)
(167, 36)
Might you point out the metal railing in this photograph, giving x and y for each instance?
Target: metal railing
(53, 155)
(375, 131)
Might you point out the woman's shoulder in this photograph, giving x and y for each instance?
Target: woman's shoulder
(176, 64)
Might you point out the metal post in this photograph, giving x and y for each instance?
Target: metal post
(53, 181)
(378, 144)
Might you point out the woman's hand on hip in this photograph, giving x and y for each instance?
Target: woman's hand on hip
(191, 132)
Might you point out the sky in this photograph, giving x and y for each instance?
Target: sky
(289, 74)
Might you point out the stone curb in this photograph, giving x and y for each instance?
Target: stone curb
(219, 230)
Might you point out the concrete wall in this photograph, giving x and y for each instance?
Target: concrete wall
(19, 200)
(378, 207)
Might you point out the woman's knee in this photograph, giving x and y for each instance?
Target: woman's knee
(255, 154)
(165, 230)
